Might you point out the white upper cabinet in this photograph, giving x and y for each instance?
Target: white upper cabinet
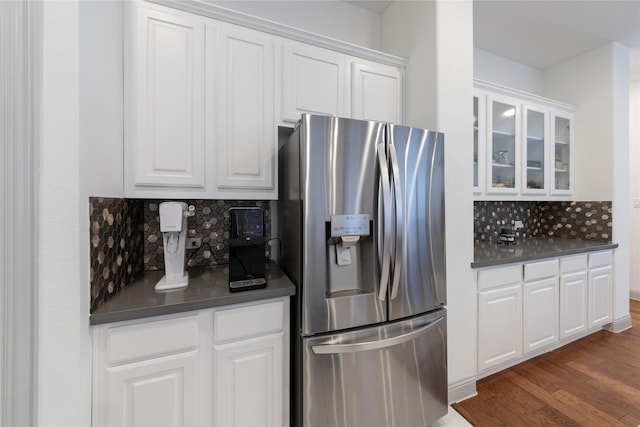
(314, 81)
(479, 140)
(503, 145)
(523, 144)
(164, 84)
(562, 152)
(204, 97)
(535, 128)
(240, 79)
(377, 92)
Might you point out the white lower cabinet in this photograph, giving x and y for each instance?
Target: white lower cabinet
(529, 307)
(600, 278)
(499, 316)
(540, 305)
(248, 354)
(499, 325)
(249, 386)
(222, 367)
(573, 295)
(153, 392)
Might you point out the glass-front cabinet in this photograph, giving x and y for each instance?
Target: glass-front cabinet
(534, 155)
(562, 133)
(479, 138)
(503, 145)
(523, 145)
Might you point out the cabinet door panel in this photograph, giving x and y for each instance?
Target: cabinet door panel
(499, 326)
(503, 145)
(314, 81)
(154, 392)
(377, 93)
(245, 135)
(166, 89)
(573, 303)
(599, 296)
(479, 140)
(248, 382)
(561, 153)
(535, 125)
(540, 313)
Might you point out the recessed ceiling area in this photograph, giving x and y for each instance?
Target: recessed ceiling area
(544, 33)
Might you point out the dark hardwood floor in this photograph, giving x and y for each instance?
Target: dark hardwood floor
(594, 381)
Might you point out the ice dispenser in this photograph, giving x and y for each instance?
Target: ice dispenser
(346, 231)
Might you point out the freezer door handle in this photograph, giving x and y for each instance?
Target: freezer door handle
(399, 215)
(377, 344)
(386, 234)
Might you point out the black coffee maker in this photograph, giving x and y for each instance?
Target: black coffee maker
(246, 249)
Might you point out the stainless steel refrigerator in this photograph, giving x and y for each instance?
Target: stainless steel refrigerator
(362, 227)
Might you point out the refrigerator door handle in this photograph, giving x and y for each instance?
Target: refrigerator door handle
(386, 235)
(377, 344)
(399, 205)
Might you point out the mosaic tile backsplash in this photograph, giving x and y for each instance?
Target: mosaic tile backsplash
(126, 239)
(116, 245)
(211, 222)
(569, 220)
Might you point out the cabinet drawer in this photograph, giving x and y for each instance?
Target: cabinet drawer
(499, 276)
(249, 321)
(541, 270)
(600, 259)
(573, 263)
(150, 339)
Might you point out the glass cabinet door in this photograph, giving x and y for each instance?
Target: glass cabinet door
(479, 136)
(562, 146)
(534, 152)
(503, 142)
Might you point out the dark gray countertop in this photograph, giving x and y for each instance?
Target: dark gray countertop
(208, 287)
(488, 254)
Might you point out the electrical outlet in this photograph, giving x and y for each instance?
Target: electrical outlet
(194, 242)
(636, 203)
(517, 224)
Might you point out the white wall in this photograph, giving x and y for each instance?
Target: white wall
(419, 47)
(455, 92)
(101, 98)
(81, 155)
(335, 19)
(586, 81)
(439, 81)
(497, 69)
(64, 354)
(597, 82)
(634, 180)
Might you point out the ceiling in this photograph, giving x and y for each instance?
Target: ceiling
(542, 33)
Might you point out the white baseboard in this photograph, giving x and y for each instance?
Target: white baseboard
(462, 390)
(619, 325)
(633, 294)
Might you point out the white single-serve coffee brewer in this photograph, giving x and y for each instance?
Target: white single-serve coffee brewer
(173, 225)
